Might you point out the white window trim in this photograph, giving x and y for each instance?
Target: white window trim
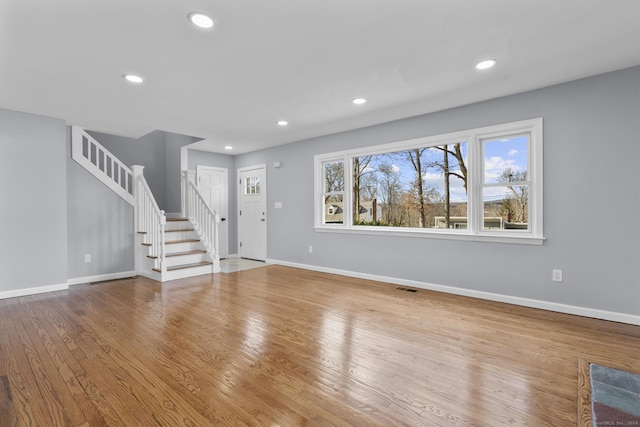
(474, 231)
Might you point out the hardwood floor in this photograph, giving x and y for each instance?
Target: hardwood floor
(282, 346)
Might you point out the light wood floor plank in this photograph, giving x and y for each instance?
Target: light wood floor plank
(166, 374)
(283, 346)
(125, 379)
(36, 402)
(54, 370)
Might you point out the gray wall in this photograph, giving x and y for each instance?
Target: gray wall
(173, 192)
(204, 158)
(100, 223)
(591, 201)
(159, 153)
(33, 215)
(148, 151)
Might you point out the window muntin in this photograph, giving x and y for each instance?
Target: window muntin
(495, 186)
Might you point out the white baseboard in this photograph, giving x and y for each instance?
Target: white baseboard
(526, 302)
(33, 291)
(101, 277)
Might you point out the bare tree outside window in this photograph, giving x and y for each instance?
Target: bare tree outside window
(333, 177)
(410, 188)
(360, 165)
(333, 194)
(516, 201)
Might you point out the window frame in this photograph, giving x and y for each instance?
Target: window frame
(475, 204)
(334, 193)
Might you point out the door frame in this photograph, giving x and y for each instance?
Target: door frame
(240, 194)
(199, 169)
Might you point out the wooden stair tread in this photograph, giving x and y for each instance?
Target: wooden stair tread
(170, 231)
(177, 219)
(194, 252)
(169, 242)
(180, 267)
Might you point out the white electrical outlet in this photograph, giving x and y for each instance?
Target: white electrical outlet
(310, 249)
(87, 257)
(556, 275)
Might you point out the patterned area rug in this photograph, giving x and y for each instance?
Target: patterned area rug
(609, 396)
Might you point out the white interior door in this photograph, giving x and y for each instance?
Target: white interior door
(252, 213)
(213, 185)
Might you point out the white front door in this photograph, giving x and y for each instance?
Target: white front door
(252, 213)
(213, 185)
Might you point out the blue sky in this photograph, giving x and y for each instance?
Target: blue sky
(499, 154)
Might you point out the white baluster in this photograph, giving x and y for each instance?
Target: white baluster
(163, 264)
(183, 194)
(215, 243)
(138, 173)
(191, 178)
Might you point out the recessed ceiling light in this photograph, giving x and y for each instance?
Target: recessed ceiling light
(358, 101)
(200, 20)
(133, 78)
(282, 123)
(487, 63)
(228, 147)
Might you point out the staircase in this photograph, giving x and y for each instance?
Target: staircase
(166, 248)
(185, 254)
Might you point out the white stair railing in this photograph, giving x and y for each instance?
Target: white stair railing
(98, 161)
(149, 220)
(204, 219)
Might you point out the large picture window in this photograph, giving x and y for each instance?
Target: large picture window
(481, 184)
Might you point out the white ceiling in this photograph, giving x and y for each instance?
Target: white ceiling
(298, 60)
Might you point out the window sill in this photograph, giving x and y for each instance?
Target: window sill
(510, 238)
